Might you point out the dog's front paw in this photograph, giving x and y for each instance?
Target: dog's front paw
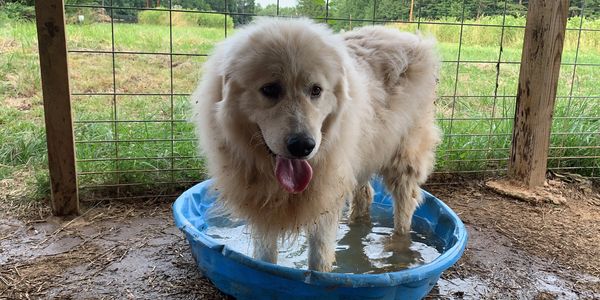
(321, 265)
(265, 248)
(321, 243)
(321, 257)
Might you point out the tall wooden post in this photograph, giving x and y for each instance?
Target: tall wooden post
(50, 20)
(538, 78)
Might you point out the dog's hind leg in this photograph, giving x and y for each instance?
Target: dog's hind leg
(408, 168)
(401, 182)
(321, 242)
(361, 204)
(265, 248)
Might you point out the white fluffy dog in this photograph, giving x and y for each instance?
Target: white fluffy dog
(294, 120)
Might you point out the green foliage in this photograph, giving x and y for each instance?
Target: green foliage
(215, 21)
(591, 8)
(4, 19)
(120, 14)
(312, 8)
(154, 17)
(473, 35)
(127, 15)
(393, 10)
(436, 9)
(209, 20)
(23, 142)
(41, 184)
(489, 36)
(271, 10)
(424, 9)
(191, 4)
(240, 7)
(16, 11)
(90, 16)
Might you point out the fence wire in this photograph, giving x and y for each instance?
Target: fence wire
(131, 84)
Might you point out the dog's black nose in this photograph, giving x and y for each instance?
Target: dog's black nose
(300, 145)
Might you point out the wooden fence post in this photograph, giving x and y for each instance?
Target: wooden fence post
(50, 20)
(538, 79)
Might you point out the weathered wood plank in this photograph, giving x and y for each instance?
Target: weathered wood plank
(50, 22)
(538, 78)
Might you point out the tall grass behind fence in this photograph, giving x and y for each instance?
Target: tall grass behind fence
(131, 84)
(486, 31)
(183, 18)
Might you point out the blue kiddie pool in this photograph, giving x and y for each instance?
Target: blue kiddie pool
(243, 277)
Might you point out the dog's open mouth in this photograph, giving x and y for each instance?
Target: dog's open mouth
(294, 175)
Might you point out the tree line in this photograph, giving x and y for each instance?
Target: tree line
(392, 10)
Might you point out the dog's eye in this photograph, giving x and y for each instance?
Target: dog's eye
(315, 91)
(271, 90)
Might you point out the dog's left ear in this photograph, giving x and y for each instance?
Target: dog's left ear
(341, 90)
(342, 98)
(225, 78)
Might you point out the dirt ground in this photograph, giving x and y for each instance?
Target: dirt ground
(114, 250)
(524, 250)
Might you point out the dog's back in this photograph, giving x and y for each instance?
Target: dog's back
(393, 55)
(402, 70)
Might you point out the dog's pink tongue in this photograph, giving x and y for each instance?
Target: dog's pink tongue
(293, 174)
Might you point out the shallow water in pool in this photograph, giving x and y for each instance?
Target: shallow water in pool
(367, 248)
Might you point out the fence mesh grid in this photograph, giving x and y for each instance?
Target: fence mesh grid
(131, 85)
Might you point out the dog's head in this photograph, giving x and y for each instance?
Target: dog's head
(287, 78)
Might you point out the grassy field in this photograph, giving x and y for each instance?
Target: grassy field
(155, 144)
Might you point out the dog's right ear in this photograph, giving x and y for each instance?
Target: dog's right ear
(228, 87)
(225, 80)
(222, 89)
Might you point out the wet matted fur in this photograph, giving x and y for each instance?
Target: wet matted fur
(374, 114)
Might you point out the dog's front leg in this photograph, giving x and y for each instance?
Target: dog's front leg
(321, 242)
(265, 248)
(361, 204)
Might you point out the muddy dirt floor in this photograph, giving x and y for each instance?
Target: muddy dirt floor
(517, 249)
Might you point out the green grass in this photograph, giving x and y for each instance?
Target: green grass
(477, 138)
(489, 35)
(179, 18)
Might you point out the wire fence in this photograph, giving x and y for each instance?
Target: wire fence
(131, 83)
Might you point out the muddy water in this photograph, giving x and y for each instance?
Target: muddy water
(360, 248)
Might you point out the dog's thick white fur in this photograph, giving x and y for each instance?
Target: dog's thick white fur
(365, 97)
